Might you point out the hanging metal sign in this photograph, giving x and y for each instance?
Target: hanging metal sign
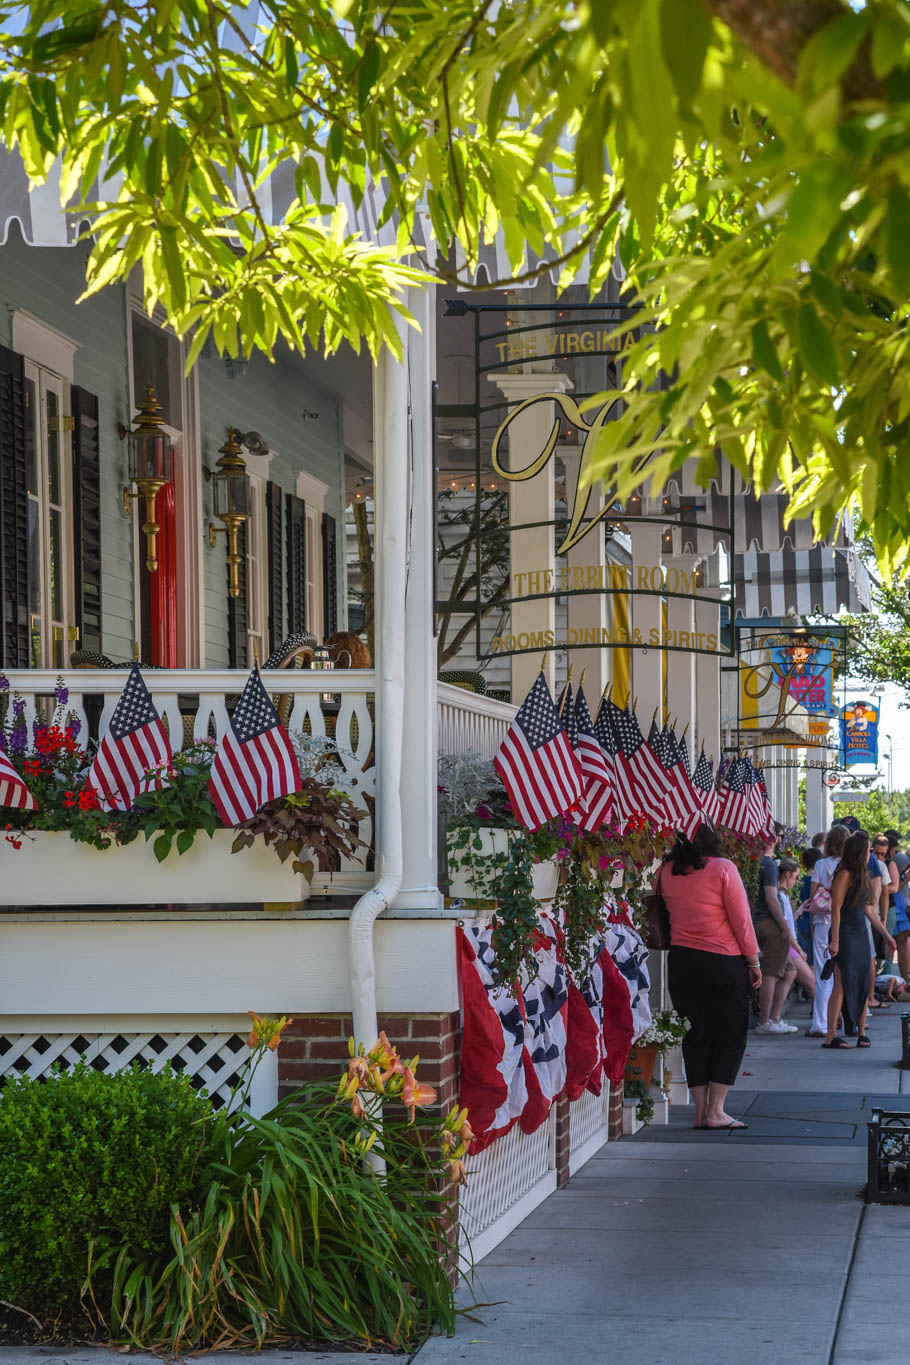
(562, 539)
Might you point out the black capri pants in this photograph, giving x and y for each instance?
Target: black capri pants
(711, 990)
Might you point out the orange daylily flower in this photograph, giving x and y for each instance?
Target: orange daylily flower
(359, 1070)
(449, 1140)
(358, 1109)
(457, 1173)
(414, 1095)
(386, 1058)
(266, 1032)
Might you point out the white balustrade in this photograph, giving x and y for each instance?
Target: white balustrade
(202, 695)
(470, 722)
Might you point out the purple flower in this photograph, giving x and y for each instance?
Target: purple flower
(18, 706)
(4, 683)
(73, 726)
(18, 739)
(562, 854)
(61, 693)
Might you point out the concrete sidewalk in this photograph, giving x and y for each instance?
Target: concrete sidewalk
(688, 1248)
(107, 1355)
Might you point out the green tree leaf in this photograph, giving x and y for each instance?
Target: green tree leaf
(816, 346)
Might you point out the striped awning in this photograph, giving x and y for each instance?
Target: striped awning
(820, 581)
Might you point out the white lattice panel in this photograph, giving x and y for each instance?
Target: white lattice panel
(587, 1119)
(213, 1061)
(505, 1182)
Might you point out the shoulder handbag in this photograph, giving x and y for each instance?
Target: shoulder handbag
(656, 926)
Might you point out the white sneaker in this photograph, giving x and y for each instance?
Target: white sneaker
(782, 1027)
(770, 1027)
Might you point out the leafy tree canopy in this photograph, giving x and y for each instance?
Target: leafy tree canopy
(748, 158)
(879, 640)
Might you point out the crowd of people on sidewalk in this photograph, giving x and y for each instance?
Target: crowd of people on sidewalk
(830, 929)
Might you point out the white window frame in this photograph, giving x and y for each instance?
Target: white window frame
(187, 488)
(313, 492)
(49, 358)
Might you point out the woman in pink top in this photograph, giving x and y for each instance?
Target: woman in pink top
(712, 962)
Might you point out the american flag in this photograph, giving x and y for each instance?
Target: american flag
(13, 791)
(623, 798)
(734, 798)
(759, 804)
(255, 760)
(638, 772)
(134, 749)
(597, 769)
(687, 797)
(566, 711)
(703, 781)
(536, 762)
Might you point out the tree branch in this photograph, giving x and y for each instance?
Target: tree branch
(776, 31)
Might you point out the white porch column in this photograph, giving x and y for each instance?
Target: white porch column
(681, 668)
(531, 553)
(419, 890)
(646, 614)
(819, 805)
(708, 683)
(589, 560)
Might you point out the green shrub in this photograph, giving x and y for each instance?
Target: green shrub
(90, 1161)
(297, 1236)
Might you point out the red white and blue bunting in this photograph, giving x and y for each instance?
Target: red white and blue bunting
(520, 1054)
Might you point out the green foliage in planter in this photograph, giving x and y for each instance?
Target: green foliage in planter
(504, 880)
(90, 1161)
(320, 821)
(639, 1090)
(174, 814)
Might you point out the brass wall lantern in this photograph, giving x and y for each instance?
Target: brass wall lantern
(232, 503)
(151, 467)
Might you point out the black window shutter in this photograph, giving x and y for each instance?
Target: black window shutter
(87, 518)
(296, 543)
(14, 632)
(237, 610)
(329, 576)
(276, 578)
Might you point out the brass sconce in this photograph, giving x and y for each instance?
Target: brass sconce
(151, 467)
(232, 503)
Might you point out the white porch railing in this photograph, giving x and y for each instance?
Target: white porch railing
(194, 703)
(471, 723)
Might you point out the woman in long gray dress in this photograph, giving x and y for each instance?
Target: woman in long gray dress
(848, 943)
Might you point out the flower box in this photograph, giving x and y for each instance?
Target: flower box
(52, 869)
(494, 841)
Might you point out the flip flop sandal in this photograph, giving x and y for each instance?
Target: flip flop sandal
(734, 1127)
(879, 1007)
(835, 1043)
(863, 1041)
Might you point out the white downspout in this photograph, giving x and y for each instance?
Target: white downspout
(390, 447)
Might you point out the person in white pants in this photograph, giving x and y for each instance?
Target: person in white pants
(820, 909)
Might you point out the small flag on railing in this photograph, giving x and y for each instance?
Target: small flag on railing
(13, 791)
(734, 798)
(255, 760)
(703, 782)
(597, 769)
(135, 745)
(535, 761)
